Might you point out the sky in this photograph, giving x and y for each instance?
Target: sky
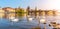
(40, 4)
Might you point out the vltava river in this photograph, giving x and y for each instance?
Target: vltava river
(23, 22)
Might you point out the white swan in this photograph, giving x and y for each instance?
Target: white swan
(13, 19)
(30, 19)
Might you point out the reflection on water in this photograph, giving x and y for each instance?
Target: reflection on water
(13, 21)
(2, 15)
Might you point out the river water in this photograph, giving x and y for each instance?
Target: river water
(24, 23)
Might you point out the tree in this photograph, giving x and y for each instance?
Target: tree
(20, 12)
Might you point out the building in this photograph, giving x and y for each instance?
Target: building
(58, 12)
(2, 13)
(51, 13)
(9, 9)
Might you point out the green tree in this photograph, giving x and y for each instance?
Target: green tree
(20, 12)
